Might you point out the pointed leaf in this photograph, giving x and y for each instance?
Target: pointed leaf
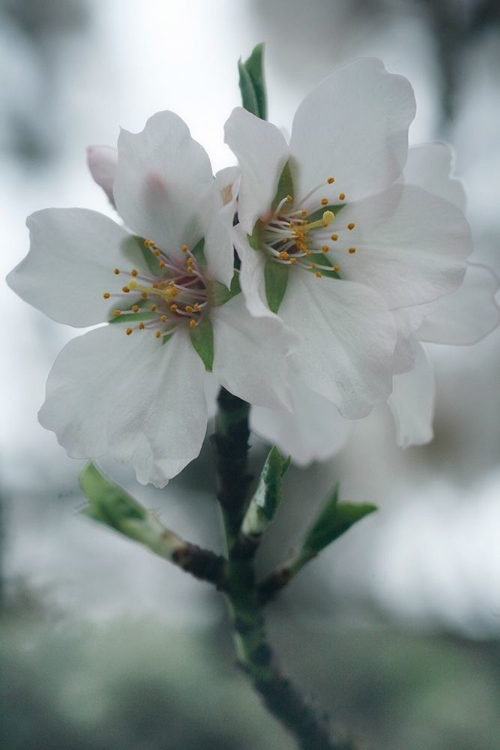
(219, 294)
(252, 83)
(333, 520)
(276, 280)
(267, 497)
(202, 338)
(109, 503)
(285, 186)
(285, 466)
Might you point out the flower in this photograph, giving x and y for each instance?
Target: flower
(355, 255)
(134, 388)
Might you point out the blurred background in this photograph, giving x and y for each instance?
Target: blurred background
(396, 629)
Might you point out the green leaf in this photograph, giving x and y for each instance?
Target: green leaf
(219, 294)
(202, 338)
(276, 280)
(199, 253)
(285, 466)
(252, 83)
(109, 503)
(333, 520)
(266, 498)
(285, 186)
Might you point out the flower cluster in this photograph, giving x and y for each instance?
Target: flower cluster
(351, 251)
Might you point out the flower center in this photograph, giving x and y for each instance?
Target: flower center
(173, 296)
(299, 234)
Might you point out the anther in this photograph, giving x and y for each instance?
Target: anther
(334, 237)
(154, 308)
(135, 308)
(313, 265)
(163, 318)
(284, 255)
(303, 213)
(318, 274)
(192, 323)
(117, 271)
(331, 180)
(141, 326)
(289, 198)
(336, 268)
(158, 334)
(184, 248)
(106, 295)
(341, 196)
(128, 331)
(351, 225)
(173, 307)
(144, 295)
(161, 264)
(116, 313)
(324, 201)
(352, 250)
(189, 308)
(134, 272)
(156, 252)
(293, 260)
(125, 289)
(325, 248)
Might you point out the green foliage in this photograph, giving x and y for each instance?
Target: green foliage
(109, 504)
(285, 186)
(333, 520)
(202, 338)
(267, 497)
(276, 280)
(219, 294)
(252, 83)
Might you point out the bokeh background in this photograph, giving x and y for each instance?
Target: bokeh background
(396, 629)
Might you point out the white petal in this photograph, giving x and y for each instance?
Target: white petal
(353, 127)
(250, 354)
(412, 401)
(129, 397)
(314, 431)
(219, 208)
(429, 166)
(467, 315)
(162, 173)
(347, 341)
(102, 162)
(411, 246)
(252, 279)
(262, 153)
(70, 264)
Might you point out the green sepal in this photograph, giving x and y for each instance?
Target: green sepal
(318, 214)
(267, 497)
(254, 238)
(199, 253)
(285, 186)
(276, 280)
(202, 338)
(109, 504)
(252, 83)
(285, 466)
(219, 294)
(151, 260)
(323, 260)
(333, 520)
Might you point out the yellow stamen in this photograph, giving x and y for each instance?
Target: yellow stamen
(192, 323)
(325, 248)
(289, 198)
(135, 308)
(156, 252)
(284, 255)
(303, 213)
(341, 196)
(331, 180)
(117, 271)
(154, 308)
(336, 269)
(318, 274)
(293, 260)
(189, 308)
(184, 248)
(324, 201)
(128, 331)
(134, 272)
(158, 334)
(334, 237)
(116, 313)
(144, 295)
(173, 307)
(352, 250)
(106, 295)
(163, 318)
(141, 326)
(351, 225)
